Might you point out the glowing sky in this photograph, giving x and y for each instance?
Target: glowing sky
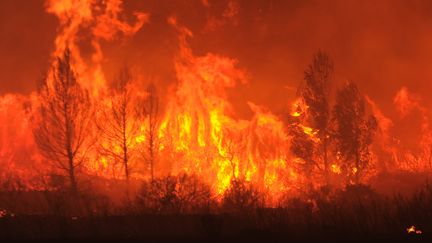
(381, 45)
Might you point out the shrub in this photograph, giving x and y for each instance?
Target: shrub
(174, 194)
(242, 196)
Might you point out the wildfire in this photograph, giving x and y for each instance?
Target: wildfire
(197, 130)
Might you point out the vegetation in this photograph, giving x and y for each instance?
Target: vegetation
(185, 204)
(62, 129)
(356, 212)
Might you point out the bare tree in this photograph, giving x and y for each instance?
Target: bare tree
(62, 127)
(230, 155)
(233, 147)
(151, 110)
(120, 123)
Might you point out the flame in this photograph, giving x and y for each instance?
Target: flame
(102, 21)
(336, 169)
(199, 129)
(412, 229)
(405, 101)
(198, 132)
(298, 108)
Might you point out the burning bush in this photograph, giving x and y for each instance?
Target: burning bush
(174, 194)
(242, 196)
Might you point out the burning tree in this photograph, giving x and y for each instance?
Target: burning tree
(120, 124)
(61, 130)
(315, 94)
(353, 133)
(302, 146)
(151, 110)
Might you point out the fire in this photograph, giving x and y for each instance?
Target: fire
(405, 101)
(104, 22)
(412, 229)
(336, 169)
(197, 130)
(298, 108)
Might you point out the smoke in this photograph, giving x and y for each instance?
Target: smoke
(228, 16)
(406, 102)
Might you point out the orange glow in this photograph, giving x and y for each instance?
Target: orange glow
(336, 169)
(200, 128)
(412, 229)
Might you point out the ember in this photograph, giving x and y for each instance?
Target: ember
(412, 229)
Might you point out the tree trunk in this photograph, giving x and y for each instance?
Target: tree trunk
(326, 166)
(71, 162)
(73, 183)
(151, 155)
(125, 160)
(126, 168)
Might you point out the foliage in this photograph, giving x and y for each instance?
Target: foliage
(353, 132)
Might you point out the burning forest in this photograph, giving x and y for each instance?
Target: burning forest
(215, 120)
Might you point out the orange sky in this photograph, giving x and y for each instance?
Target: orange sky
(381, 45)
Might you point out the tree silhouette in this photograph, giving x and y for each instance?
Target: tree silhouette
(315, 94)
(353, 133)
(120, 124)
(151, 110)
(61, 130)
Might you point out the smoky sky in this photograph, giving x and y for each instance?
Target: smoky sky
(381, 45)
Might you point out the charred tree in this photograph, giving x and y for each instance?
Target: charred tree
(353, 131)
(120, 123)
(63, 121)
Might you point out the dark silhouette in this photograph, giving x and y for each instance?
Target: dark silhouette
(315, 93)
(353, 132)
(62, 129)
(151, 110)
(120, 124)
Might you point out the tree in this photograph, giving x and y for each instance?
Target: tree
(62, 129)
(315, 94)
(303, 140)
(120, 124)
(151, 110)
(302, 146)
(353, 132)
(242, 197)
